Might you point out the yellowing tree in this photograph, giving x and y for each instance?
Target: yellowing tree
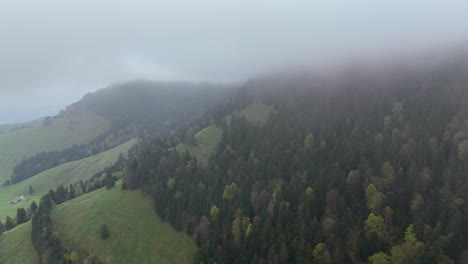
(388, 172)
(379, 258)
(309, 194)
(374, 224)
(317, 253)
(237, 231)
(463, 150)
(374, 198)
(214, 213)
(379, 138)
(171, 183)
(410, 236)
(230, 192)
(309, 142)
(248, 230)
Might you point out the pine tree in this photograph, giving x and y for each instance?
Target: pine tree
(9, 223)
(33, 207)
(21, 216)
(105, 234)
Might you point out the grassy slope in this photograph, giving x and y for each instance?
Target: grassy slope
(78, 220)
(257, 112)
(14, 146)
(207, 140)
(209, 137)
(64, 174)
(137, 233)
(16, 246)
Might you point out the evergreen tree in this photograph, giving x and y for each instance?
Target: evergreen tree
(105, 234)
(9, 223)
(21, 216)
(33, 207)
(71, 192)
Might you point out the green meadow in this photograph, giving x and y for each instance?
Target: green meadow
(137, 234)
(16, 246)
(63, 174)
(207, 140)
(257, 112)
(74, 128)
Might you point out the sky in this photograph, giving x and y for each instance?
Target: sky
(53, 52)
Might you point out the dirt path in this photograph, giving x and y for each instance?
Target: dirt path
(85, 200)
(14, 228)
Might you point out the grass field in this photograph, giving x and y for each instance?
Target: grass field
(257, 112)
(137, 235)
(63, 132)
(16, 246)
(64, 174)
(207, 140)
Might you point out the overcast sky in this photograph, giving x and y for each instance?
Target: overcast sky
(52, 52)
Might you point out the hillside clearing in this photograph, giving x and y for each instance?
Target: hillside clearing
(137, 235)
(61, 132)
(207, 140)
(257, 112)
(63, 174)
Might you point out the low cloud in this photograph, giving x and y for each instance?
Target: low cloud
(61, 49)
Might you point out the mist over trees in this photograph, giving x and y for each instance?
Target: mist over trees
(152, 105)
(327, 132)
(364, 167)
(134, 109)
(361, 167)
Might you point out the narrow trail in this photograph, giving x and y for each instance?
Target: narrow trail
(85, 200)
(16, 227)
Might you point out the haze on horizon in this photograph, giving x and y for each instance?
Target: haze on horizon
(52, 52)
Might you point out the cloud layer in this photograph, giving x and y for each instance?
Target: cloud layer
(65, 48)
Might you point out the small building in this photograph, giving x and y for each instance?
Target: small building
(17, 200)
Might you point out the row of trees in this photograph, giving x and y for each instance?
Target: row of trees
(104, 178)
(22, 216)
(43, 161)
(46, 240)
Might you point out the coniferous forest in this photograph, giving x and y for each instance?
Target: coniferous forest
(364, 167)
(234, 132)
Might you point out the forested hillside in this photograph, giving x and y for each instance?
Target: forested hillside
(72, 149)
(51, 134)
(156, 106)
(364, 166)
(100, 121)
(234, 132)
